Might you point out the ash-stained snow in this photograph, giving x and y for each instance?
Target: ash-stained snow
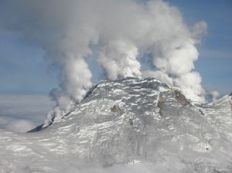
(129, 125)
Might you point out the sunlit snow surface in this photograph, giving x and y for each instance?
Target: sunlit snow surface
(118, 127)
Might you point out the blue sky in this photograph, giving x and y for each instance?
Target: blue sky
(23, 68)
(22, 74)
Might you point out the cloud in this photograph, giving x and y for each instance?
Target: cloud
(25, 105)
(21, 112)
(20, 126)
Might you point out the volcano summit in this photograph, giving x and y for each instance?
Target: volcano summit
(127, 125)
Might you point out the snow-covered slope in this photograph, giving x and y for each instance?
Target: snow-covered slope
(129, 125)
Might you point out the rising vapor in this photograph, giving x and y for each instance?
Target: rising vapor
(123, 31)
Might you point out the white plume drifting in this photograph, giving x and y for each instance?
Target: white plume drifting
(123, 30)
(213, 95)
(118, 58)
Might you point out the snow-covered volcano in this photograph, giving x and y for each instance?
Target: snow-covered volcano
(129, 125)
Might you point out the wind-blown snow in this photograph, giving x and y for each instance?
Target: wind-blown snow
(128, 125)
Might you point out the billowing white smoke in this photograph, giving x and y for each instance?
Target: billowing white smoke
(118, 58)
(123, 30)
(213, 95)
(177, 59)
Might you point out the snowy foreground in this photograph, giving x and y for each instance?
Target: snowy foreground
(128, 126)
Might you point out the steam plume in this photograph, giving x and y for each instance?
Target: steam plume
(118, 58)
(123, 30)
